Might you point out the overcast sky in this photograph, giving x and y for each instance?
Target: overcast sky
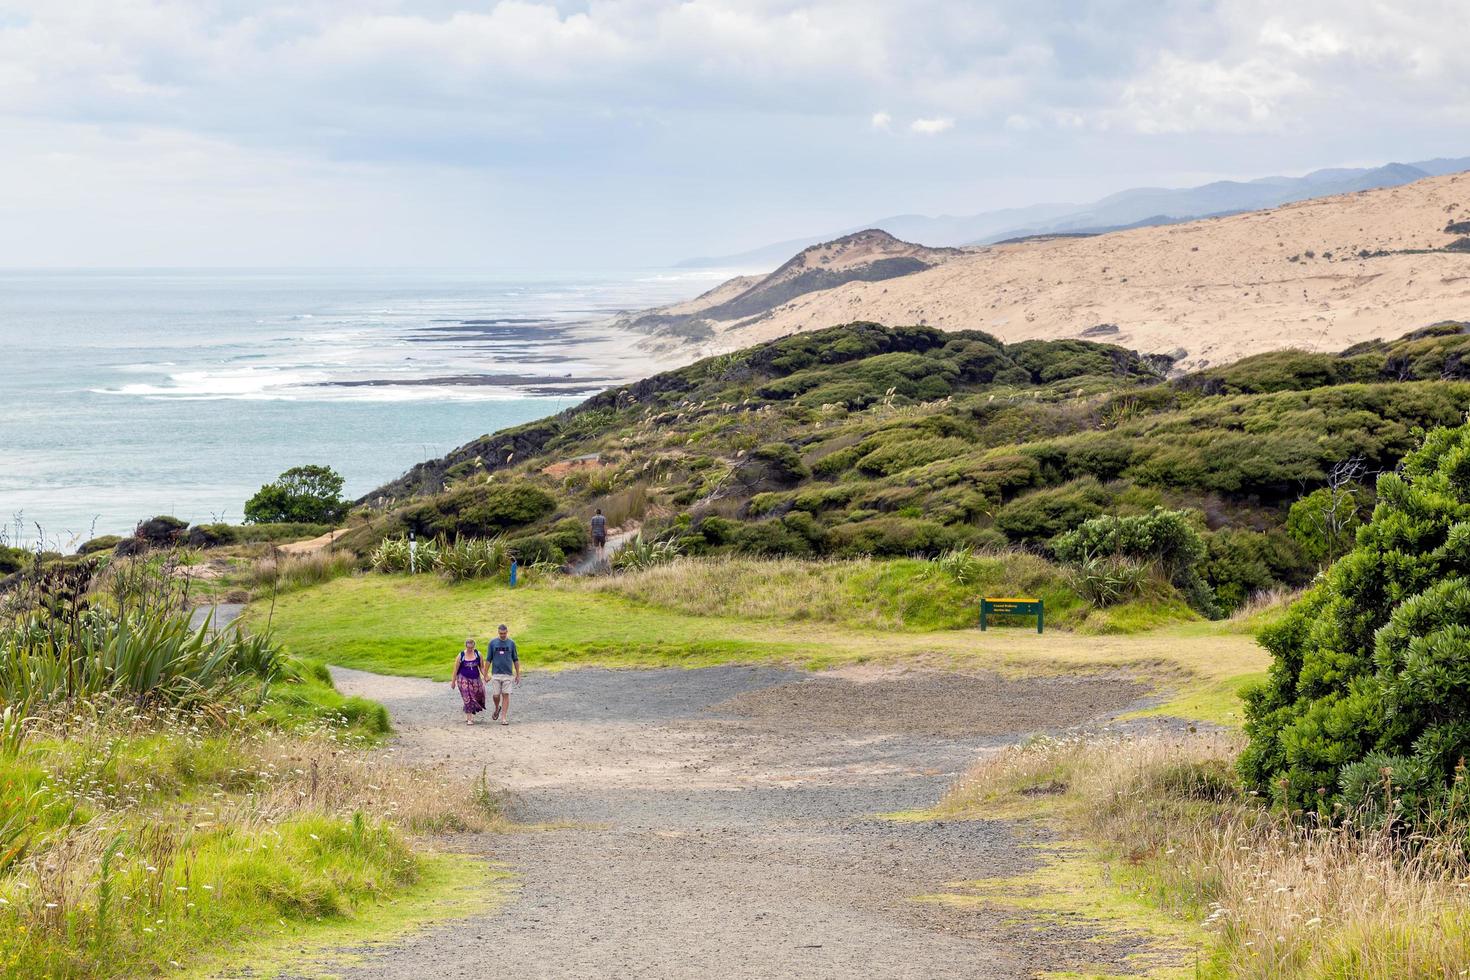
(617, 132)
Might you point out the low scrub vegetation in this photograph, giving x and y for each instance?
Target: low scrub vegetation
(868, 441)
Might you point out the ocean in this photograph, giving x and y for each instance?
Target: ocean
(125, 394)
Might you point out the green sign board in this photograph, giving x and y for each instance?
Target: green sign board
(1013, 607)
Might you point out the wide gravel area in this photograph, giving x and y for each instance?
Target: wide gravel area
(728, 822)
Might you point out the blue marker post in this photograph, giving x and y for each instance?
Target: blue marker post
(514, 567)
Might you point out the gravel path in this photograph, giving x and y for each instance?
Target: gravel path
(724, 822)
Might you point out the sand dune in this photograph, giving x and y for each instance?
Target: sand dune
(1308, 275)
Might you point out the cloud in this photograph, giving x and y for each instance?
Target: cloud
(931, 127)
(694, 109)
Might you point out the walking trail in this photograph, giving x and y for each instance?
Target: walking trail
(726, 822)
(592, 562)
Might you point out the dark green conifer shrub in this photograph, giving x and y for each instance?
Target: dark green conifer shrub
(1367, 705)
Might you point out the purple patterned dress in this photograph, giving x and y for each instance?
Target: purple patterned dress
(471, 685)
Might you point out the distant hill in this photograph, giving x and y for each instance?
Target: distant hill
(865, 256)
(1318, 274)
(1138, 207)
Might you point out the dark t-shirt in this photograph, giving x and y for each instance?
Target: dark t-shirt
(503, 657)
(599, 527)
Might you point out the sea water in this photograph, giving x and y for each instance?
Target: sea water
(132, 393)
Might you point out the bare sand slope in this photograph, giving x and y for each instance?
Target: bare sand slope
(1304, 275)
(725, 822)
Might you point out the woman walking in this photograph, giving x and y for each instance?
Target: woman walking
(469, 680)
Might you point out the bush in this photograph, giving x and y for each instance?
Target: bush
(571, 535)
(160, 531)
(481, 511)
(302, 494)
(641, 553)
(12, 559)
(93, 545)
(1044, 514)
(535, 549)
(774, 538)
(1241, 563)
(889, 457)
(891, 537)
(1166, 538)
(1106, 580)
(470, 558)
(1368, 696)
(1324, 523)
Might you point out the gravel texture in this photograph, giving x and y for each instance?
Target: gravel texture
(724, 822)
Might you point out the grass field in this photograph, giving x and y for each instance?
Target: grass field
(413, 626)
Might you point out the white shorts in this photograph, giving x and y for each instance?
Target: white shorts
(501, 684)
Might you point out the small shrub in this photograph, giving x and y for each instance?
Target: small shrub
(1107, 580)
(641, 553)
(90, 547)
(471, 558)
(535, 549)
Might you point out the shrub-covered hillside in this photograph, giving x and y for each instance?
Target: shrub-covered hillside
(867, 440)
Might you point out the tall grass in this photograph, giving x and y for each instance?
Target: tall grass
(1284, 898)
(146, 837)
(280, 571)
(863, 592)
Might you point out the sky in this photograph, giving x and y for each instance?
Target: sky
(613, 133)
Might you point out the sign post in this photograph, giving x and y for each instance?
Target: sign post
(1013, 607)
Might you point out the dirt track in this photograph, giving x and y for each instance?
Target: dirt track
(725, 823)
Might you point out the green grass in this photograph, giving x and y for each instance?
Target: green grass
(449, 887)
(413, 626)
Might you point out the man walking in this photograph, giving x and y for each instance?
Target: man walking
(505, 670)
(599, 532)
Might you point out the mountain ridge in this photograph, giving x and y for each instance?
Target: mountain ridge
(1320, 274)
(1126, 208)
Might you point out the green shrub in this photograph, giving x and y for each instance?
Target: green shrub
(1107, 580)
(775, 462)
(1324, 523)
(90, 547)
(891, 537)
(571, 535)
(773, 538)
(891, 457)
(535, 549)
(1168, 539)
(1241, 563)
(1043, 514)
(471, 558)
(484, 510)
(1368, 695)
(837, 463)
(641, 553)
(12, 559)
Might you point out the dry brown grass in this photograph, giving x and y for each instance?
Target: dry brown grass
(283, 572)
(1284, 899)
